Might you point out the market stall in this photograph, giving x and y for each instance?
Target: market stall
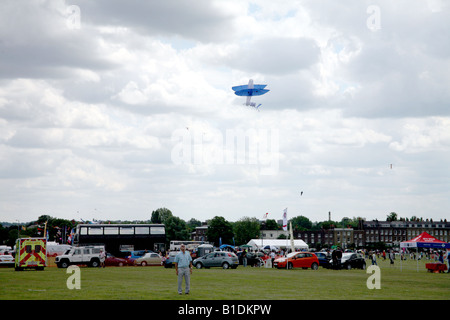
(424, 240)
(259, 244)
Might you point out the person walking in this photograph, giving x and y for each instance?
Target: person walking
(374, 259)
(272, 257)
(448, 261)
(391, 257)
(334, 258)
(183, 268)
(102, 258)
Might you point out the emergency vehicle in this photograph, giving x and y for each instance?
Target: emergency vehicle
(31, 253)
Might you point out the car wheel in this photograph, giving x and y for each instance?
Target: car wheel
(64, 264)
(349, 266)
(120, 264)
(95, 263)
(290, 266)
(143, 263)
(314, 266)
(199, 265)
(225, 265)
(363, 266)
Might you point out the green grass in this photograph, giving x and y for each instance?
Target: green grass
(144, 283)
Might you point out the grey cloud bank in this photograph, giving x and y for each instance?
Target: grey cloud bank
(87, 114)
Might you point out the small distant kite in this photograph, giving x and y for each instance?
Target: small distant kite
(301, 193)
(249, 90)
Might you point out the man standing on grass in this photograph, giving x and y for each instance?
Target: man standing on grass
(183, 268)
(448, 261)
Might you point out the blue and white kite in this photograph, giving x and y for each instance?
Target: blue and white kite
(250, 90)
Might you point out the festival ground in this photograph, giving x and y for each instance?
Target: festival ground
(158, 283)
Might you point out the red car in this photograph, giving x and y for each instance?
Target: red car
(298, 260)
(117, 262)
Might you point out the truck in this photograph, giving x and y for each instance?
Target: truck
(88, 255)
(31, 253)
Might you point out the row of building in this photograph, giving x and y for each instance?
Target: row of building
(367, 234)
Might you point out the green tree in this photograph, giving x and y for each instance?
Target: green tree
(176, 229)
(301, 223)
(347, 222)
(192, 224)
(44, 218)
(219, 228)
(246, 229)
(392, 217)
(271, 224)
(328, 224)
(160, 215)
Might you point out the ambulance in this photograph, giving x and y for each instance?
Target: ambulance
(31, 253)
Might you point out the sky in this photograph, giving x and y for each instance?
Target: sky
(112, 109)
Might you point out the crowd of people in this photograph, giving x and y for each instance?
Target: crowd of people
(335, 254)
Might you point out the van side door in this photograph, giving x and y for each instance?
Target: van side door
(77, 256)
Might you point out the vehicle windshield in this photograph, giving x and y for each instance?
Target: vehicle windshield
(346, 256)
(290, 255)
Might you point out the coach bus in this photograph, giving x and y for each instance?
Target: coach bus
(121, 238)
(190, 245)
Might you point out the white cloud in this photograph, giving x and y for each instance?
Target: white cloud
(423, 135)
(87, 114)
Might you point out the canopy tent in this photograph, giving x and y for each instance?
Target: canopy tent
(204, 249)
(226, 246)
(279, 243)
(425, 240)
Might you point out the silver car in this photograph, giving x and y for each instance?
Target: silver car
(217, 259)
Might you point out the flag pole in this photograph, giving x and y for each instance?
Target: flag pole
(285, 229)
(45, 230)
(292, 237)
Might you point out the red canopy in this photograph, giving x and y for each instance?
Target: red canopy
(424, 240)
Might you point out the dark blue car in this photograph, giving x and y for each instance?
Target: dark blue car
(324, 259)
(137, 254)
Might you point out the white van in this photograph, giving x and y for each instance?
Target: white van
(89, 255)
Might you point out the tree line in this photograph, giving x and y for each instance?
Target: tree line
(219, 229)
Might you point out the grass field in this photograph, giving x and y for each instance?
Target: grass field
(158, 283)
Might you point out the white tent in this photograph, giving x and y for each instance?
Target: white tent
(280, 243)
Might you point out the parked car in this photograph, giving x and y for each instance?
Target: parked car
(253, 259)
(137, 254)
(6, 260)
(116, 261)
(353, 260)
(168, 263)
(298, 260)
(149, 259)
(89, 255)
(217, 259)
(324, 259)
